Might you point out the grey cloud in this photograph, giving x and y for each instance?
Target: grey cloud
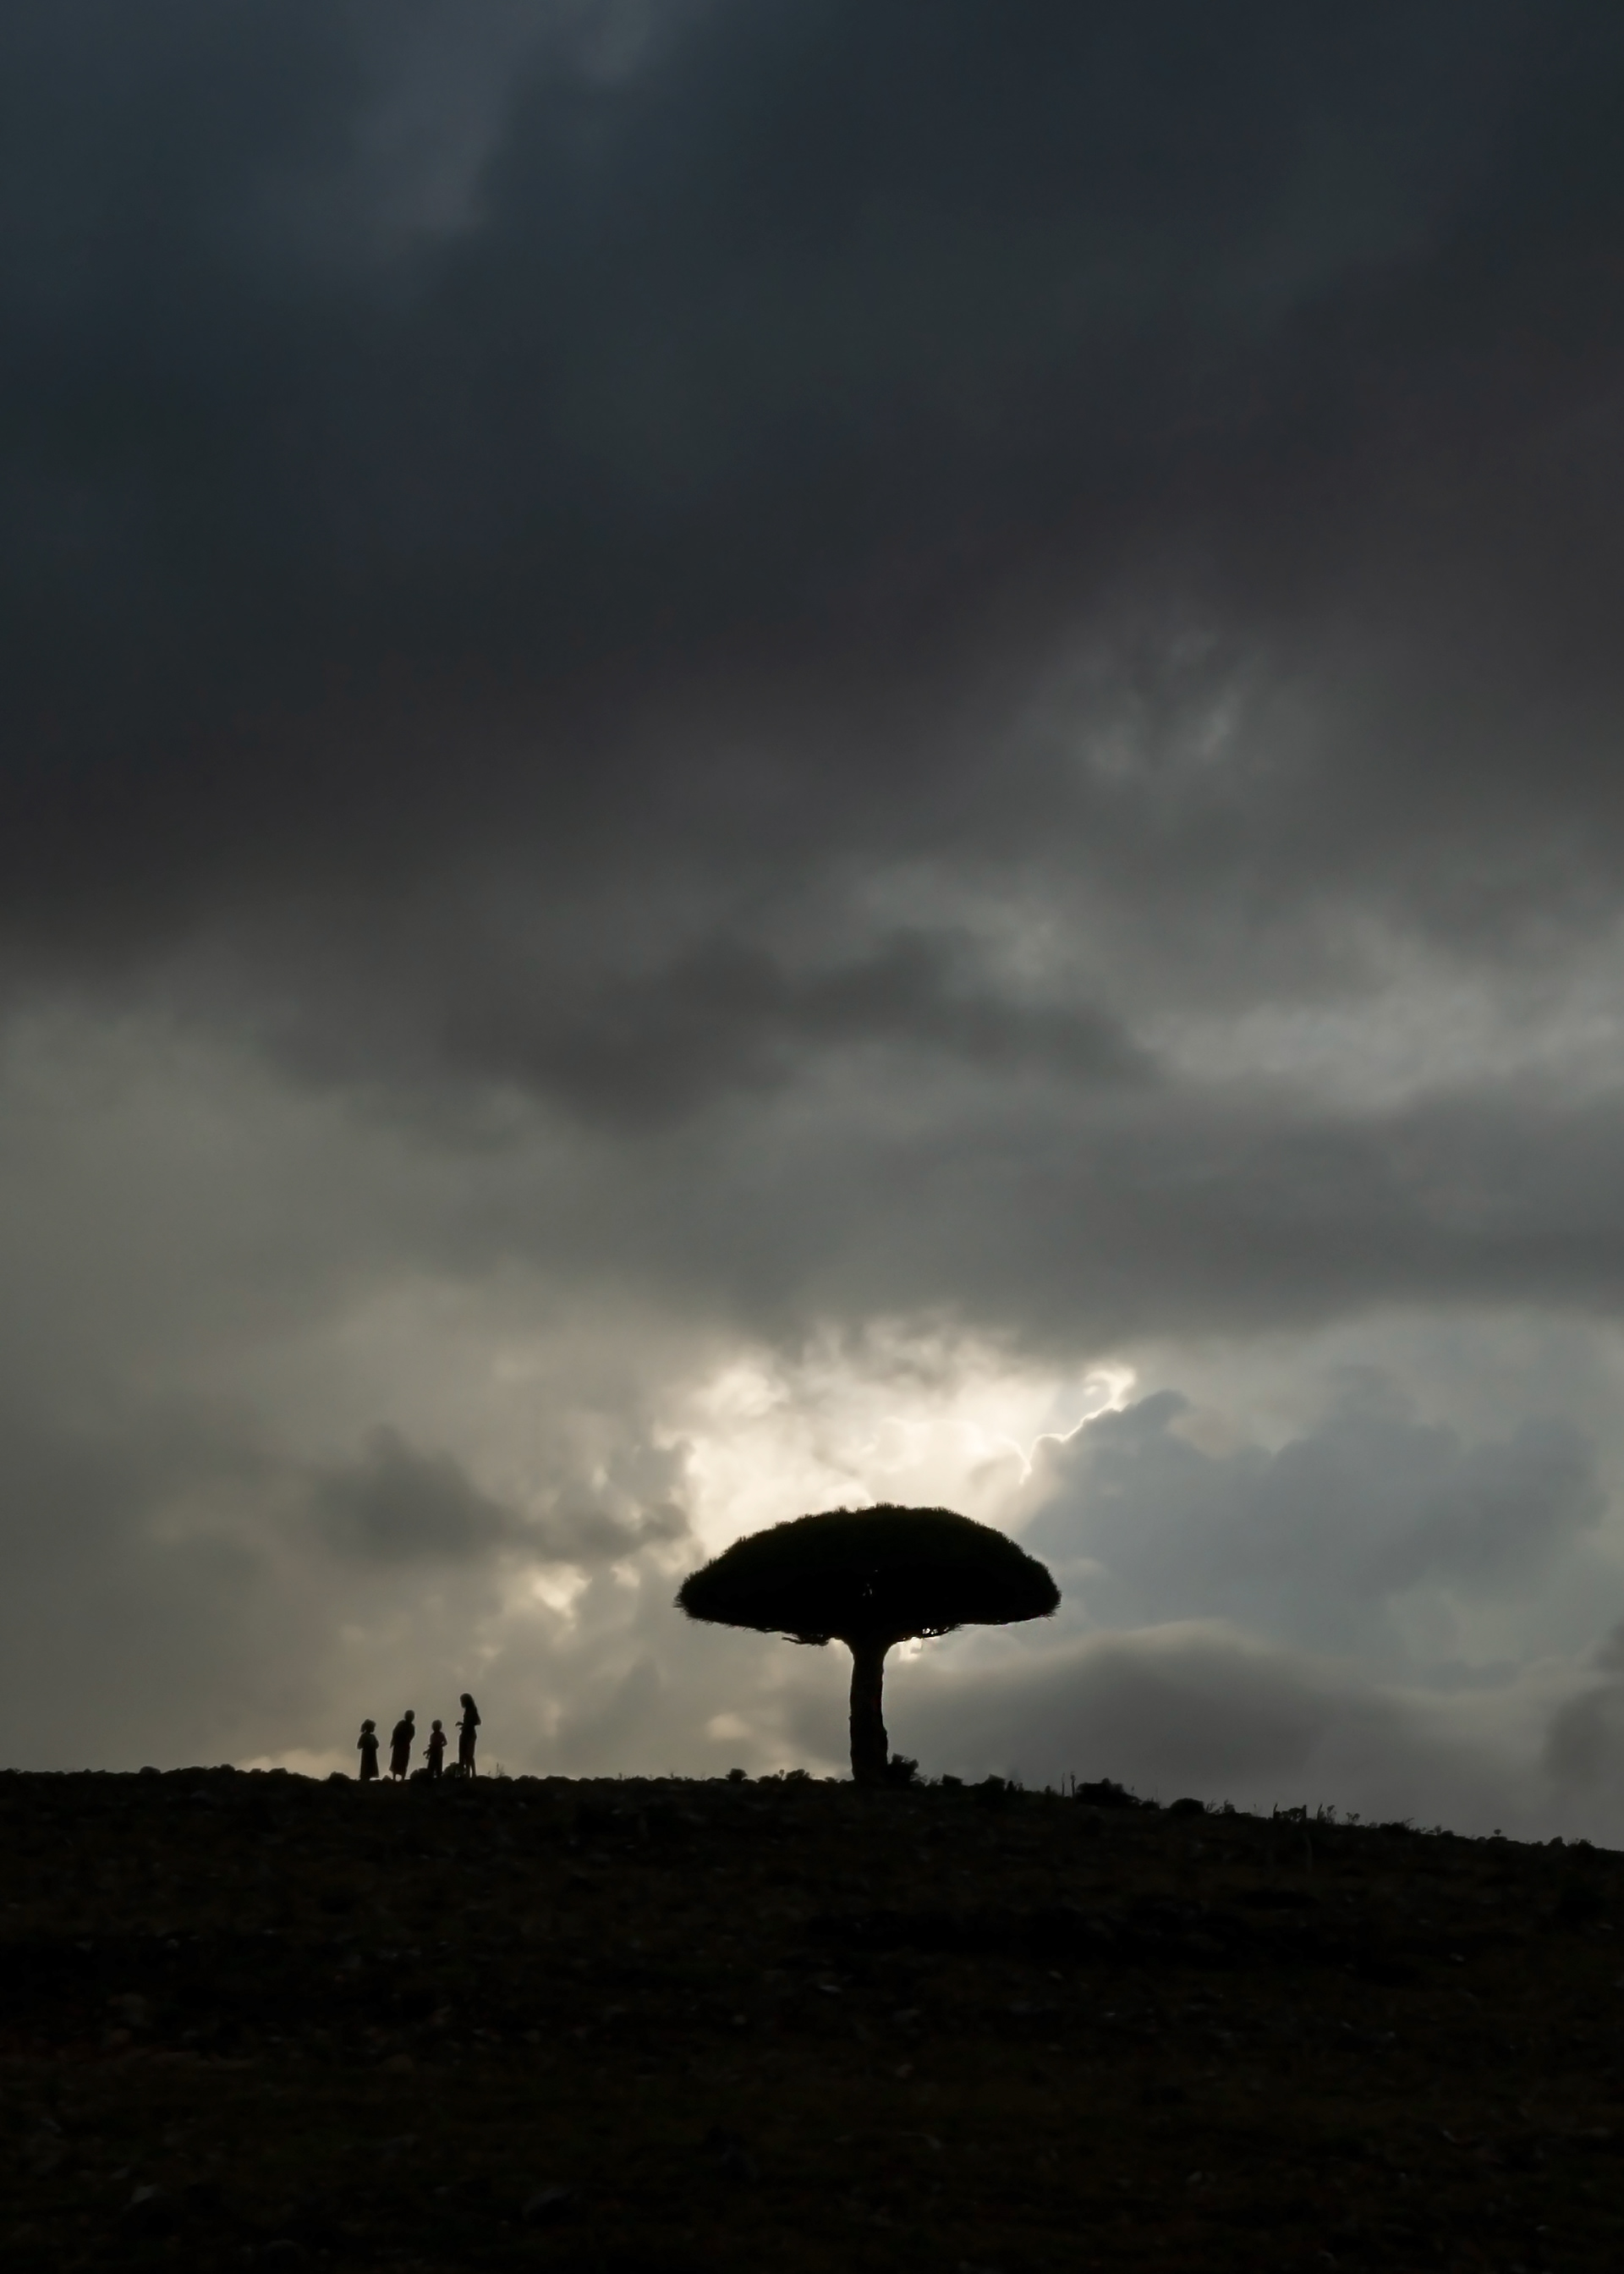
(1198, 1707)
(729, 1016)
(1310, 1536)
(147, 1610)
(395, 1505)
(1584, 1746)
(802, 386)
(1101, 1216)
(1195, 1702)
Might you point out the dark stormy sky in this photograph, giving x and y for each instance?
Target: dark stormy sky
(763, 755)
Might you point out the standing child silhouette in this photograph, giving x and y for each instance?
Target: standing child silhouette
(400, 1745)
(434, 1751)
(467, 1735)
(367, 1745)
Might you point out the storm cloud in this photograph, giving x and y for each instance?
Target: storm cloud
(1368, 1505)
(396, 1505)
(736, 740)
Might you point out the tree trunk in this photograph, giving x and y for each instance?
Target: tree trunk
(871, 1746)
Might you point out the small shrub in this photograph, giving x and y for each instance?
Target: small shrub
(1103, 1793)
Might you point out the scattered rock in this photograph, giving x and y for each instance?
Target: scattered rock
(45, 2150)
(547, 2204)
(732, 2156)
(151, 2210)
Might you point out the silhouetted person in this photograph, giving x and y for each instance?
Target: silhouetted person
(400, 1739)
(435, 1751)
(468, 1737)
(367, 1745)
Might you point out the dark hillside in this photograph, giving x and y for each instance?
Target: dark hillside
(247, 2020)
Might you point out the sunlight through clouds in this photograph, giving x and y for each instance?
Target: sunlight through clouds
(921, 1416)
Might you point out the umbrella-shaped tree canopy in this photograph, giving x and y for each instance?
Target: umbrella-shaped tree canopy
(870, 1578)
(871, 1573)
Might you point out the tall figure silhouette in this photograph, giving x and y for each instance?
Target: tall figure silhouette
(467, 1735)
(401, 1743)
(367, 1745)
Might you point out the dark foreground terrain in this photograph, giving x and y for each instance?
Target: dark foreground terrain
(247, 2020)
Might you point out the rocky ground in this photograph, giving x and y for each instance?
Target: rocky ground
(248, 2020)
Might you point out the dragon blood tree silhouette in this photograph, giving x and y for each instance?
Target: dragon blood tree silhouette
(870, 1578)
